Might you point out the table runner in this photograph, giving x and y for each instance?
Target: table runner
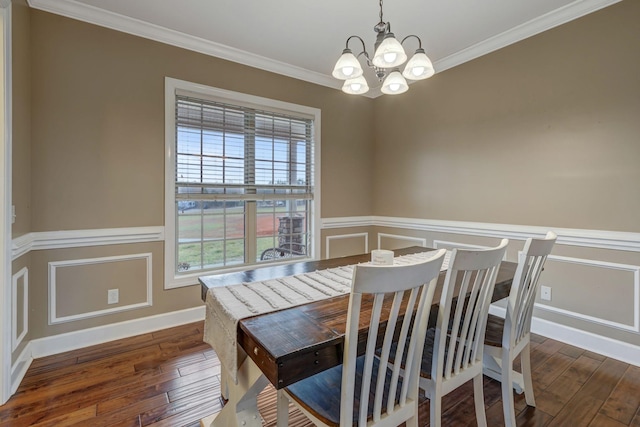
(226, 305)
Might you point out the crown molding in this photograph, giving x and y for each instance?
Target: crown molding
(93, 15)
(136, 27)
(538, 25)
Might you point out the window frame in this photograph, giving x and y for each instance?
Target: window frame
(171, 278)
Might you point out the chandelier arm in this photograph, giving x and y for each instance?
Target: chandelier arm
(413, 35)
(364, 48)
(366, 56)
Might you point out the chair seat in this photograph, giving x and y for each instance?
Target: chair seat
(321, 393)
(493, 335)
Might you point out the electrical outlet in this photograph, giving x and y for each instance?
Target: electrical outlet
(545, 293)
(113, 296)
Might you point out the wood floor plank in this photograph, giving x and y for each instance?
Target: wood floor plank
(602, 420)
(554, 366)
(635, 422)
(80, 416)
(578, 412)
(624, 401)
(553, 398)
(171, 378)
(129, 414)
(211, 365)
(571, 351)
(603, 380)
(582, 368)
(206, 400)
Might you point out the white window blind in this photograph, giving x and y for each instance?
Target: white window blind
(244, 184)
(225, 152)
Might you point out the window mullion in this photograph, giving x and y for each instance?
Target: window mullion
(251, 209)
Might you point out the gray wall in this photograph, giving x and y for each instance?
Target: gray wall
(543, 132)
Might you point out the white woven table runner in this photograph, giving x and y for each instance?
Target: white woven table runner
(226, 305)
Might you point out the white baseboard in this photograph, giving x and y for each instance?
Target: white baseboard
(19, 369)
(605, 346)
(87, 337)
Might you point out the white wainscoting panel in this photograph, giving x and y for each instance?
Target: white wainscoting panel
(328, 240)
(419, 241)
(634, 301)
(20, 286)
(53, 317)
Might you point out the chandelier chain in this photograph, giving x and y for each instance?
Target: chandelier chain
(381, 20)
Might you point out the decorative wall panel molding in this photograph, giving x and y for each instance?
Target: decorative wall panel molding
(19, 281)
(615, 240)
(53, 292)
(634, 301)
(328, 240)
(414, 241)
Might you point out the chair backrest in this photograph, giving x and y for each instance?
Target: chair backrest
(525, 288)
(472, 274)
(411, 289)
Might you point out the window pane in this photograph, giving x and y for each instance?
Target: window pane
(189, 257)
(227, 156)
(282, 229)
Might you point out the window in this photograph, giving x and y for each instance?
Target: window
(240, 181)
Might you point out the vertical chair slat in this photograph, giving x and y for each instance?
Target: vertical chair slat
(374, 323)
(386, 346)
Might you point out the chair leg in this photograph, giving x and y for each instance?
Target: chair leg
(525, 362)
(478, 398)
(435, 409)
(282, 413)
(507, 391)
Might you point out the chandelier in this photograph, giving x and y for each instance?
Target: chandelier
(388, 56)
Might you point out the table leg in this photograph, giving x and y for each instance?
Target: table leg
(242, 408)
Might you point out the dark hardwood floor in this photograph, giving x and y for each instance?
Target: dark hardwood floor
(171, 378)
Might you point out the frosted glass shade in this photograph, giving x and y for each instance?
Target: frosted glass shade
(356, 86)
(390, 53)
(419, 66)
(394, 84)
(347, 67)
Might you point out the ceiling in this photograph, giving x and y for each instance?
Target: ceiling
(303, 38)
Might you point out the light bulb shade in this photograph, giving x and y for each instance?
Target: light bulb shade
(419, 66)
(394, 84)
(390, 53)
(356, 86)
(347, 67)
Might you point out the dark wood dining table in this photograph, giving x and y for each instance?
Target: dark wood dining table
(295, 343)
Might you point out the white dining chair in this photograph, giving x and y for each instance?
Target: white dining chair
(509, 337)
(366, 389)
(453, 349)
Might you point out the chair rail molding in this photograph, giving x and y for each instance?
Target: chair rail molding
(616, 240)
(78, 238)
